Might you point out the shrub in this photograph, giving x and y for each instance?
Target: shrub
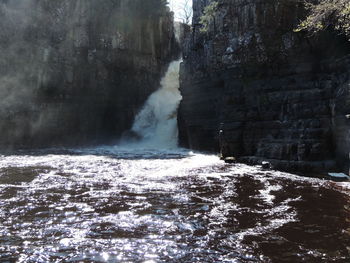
(208, 16)
(325, 14)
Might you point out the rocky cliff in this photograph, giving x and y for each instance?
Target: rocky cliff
(277, 95)
(74, 72)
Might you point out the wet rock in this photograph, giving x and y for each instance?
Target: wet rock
(230, 160)
(338, 177)
(265, 165)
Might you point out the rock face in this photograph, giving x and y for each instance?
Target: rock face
(277, 95)
(73, 72)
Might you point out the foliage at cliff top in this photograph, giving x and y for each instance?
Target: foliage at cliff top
(326, 14)
(208, 16)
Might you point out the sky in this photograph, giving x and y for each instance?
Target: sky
(176, 5)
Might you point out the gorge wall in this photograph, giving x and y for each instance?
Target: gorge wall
(74, 72)
(277, 95)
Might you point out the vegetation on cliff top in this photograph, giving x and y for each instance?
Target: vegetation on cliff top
(208, 16)
(325, 14)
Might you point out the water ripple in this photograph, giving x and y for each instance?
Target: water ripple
(116, 205)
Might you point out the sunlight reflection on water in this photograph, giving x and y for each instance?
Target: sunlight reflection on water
(111, 204)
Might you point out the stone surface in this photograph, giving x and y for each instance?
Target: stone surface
(277, 95)
(74, 72)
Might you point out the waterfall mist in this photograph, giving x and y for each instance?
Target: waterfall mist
(156, 123)
(74, 72)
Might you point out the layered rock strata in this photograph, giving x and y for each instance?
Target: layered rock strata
(275, 94)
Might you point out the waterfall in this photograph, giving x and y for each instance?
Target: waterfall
(156, 123)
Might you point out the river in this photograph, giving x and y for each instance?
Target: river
(137, 203)
(114, 204)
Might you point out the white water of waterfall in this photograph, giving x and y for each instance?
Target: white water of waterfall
(156, 123)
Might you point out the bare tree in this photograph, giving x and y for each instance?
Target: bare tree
(172, 5)
(184, 11)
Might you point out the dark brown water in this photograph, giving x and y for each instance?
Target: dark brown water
(110, 205)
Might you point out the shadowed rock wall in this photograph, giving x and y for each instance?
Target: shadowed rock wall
(74, 72)
(280, 95)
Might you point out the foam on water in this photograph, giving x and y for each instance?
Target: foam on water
(151, 201)
(115, 204)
